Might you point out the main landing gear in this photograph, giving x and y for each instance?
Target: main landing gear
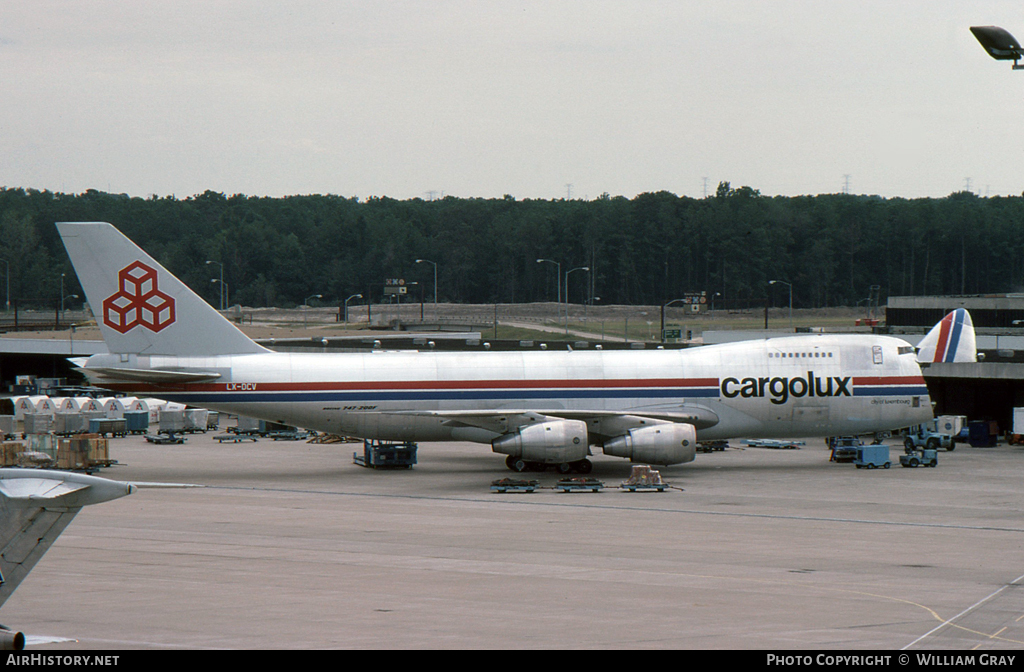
(519, 465)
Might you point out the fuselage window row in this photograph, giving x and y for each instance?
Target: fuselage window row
(799, 354)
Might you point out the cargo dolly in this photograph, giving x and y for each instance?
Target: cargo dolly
(165, 439)
(579, 484)
(234, 438)
(644, 479)
(513, 485)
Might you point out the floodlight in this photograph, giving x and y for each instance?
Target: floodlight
(999, 44)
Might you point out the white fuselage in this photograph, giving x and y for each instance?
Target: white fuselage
(817, 385)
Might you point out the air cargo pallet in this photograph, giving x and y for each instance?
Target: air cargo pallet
(579, 485)
(513, 485)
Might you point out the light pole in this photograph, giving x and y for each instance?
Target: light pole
(69, 296)
(224, 291)
(428, 261)
(578, 268)
(354, 296)
(222, 285)
(557, 277)
(7, 306)
(305, 304)
(61, 296)
(783, 282)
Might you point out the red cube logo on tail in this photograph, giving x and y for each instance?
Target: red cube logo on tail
(138, 301)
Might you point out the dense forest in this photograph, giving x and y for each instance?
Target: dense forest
(832, 248)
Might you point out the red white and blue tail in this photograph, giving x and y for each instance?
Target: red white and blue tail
(951, 340)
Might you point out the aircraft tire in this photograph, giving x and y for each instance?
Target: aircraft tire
(584, 466)
(518, 465)
(564, 468)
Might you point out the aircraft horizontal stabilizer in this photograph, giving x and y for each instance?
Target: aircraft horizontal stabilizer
(156, 376)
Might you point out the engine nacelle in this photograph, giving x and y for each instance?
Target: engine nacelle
(658, 444)
(552, 442)
(11, 641)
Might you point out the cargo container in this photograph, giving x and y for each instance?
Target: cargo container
(171, 419)
(69, 423)
(136, 422)
(42, 443)
(950, 424)
(7, 427)
(247, 425)
(104, 426)
(9, 452)
(37, 423)
(151, 406)
(195, 420)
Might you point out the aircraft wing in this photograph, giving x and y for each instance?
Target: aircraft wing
(502, 421)
(35, 507)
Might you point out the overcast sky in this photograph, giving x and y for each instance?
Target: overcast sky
(481, 98)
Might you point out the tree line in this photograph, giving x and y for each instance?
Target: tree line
(832, 248)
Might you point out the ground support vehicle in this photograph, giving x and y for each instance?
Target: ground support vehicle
(386, 454)
(873, 456)
(923, 437)
(844, 448)
(920, 457)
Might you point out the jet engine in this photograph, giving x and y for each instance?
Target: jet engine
(11, 641)
(555, 442)
(657, 444)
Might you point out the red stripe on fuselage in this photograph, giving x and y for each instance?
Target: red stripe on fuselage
(426, 385)
(890, 380)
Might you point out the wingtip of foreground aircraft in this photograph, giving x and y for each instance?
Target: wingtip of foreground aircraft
(35, 507)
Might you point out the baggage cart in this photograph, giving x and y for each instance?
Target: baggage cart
(872, 457)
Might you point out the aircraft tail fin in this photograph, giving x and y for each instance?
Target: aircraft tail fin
(139, 306)
(951, 340)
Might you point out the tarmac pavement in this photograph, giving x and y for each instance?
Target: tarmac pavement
(291, 545)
